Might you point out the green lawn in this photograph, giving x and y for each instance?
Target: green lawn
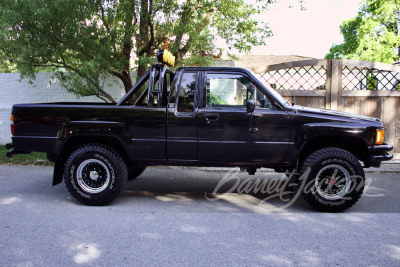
(35, 158)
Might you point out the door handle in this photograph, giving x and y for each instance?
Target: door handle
(253, 115)
(211, 117)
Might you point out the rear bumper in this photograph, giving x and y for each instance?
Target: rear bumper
(379, 153)
(34, 144)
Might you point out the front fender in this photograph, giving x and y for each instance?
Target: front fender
(337, 130)
(339, 134)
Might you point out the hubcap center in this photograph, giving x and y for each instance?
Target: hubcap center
(94, 175)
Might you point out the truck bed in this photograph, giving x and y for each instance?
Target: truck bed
(47, 127)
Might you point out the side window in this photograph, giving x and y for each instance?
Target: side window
(169, 76)
(232, 90)
(187, 92)
(263, 101)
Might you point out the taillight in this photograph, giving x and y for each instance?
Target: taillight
(12, 124)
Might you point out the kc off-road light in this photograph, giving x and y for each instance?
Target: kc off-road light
(380, 136)
(164, 56)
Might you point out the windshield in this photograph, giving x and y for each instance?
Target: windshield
(275, 94)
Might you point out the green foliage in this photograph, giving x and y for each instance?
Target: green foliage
(35, 158)
(371, 82)
(82, 41)
(372, 35)
(217, 100)
(6, 66)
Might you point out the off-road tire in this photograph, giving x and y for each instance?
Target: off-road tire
(334, 179)
(95, 174)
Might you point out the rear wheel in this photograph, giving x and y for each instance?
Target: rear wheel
(95, 174)
(334, 179)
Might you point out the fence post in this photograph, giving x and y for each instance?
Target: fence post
(328, 87)
(336, 84)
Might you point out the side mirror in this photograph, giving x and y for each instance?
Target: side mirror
(250, 106)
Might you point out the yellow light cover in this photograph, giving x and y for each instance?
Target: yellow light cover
(168, 58)
(12, 117)
(380, 136)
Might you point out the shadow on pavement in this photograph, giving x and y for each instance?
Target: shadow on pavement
(192, 190)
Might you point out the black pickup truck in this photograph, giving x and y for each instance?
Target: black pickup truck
(200, 116)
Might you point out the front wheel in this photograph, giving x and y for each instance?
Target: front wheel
(333, 179)
(95, 174)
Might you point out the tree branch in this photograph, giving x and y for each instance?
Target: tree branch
(200, 27)
(82, 75)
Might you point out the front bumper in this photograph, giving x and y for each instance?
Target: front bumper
(377, 154)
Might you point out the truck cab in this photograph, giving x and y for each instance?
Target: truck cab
(208, 118)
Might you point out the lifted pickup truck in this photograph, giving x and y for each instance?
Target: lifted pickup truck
(200, 116)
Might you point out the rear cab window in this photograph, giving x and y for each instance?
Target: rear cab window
(185, 96)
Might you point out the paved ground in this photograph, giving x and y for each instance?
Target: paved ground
(164, 218)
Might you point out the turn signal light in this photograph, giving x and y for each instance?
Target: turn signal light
(12, 124)
(380, 136)
(164, 56)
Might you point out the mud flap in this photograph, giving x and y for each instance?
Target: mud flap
(58, 171)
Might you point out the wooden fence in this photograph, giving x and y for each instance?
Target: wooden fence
(361, 87)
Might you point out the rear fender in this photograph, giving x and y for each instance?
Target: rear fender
(91, 127)
(77, 132)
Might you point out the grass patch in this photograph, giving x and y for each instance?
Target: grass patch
(33, 159)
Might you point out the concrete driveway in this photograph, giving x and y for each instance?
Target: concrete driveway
(170, 216)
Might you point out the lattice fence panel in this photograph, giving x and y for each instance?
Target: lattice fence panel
(356, 78)
(297, 78)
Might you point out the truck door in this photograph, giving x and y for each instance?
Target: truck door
(227, 133)
(182, 118)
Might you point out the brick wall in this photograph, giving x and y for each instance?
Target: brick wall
(44, 89)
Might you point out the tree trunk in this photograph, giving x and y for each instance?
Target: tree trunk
(125, 78)
(128, 83)
(142, 69)
(146, 27)
(398, 54)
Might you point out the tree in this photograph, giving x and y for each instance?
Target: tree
(372, 35)
(83, 41)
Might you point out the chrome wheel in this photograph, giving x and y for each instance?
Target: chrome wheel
(333, 182)
(93, 176)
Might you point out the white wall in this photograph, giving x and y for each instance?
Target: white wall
(44, 89)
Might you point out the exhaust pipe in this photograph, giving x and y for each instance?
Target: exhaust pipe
(13, 152)
(9, 146)
(10, 153)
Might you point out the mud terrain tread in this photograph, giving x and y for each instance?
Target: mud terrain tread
(121, 173)
(328, 153)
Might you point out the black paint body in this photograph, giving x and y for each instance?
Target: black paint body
(278, 137)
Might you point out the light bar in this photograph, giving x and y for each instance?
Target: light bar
(166, 57)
